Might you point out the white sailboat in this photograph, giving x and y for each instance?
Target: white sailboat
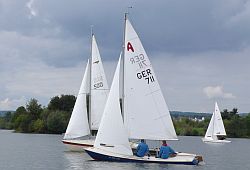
(87, 113)
(144, 113)
(216, 131)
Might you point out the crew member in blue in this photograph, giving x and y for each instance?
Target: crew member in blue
(166, 151)
(142, 149)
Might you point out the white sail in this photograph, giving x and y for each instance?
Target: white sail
(216, 126)
(219, 128)
(146, 115)
(210, 129)
(99, 86)
(111, 135)
(78, 124)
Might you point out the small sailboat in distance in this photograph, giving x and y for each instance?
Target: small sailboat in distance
(143, 106)
(216, 131)
(89, 105)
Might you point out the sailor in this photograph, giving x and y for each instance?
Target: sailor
(142, 149)
(166, 151)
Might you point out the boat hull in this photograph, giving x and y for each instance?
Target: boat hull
(215, 141)
(181, 158)
(78, 145)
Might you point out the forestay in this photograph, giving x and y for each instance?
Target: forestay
(99, 86)
(78, 124)
(146, 115)
(111, 135)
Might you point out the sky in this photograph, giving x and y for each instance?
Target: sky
(200, 50)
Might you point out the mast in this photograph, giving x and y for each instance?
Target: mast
(123, 64)
(90, 78)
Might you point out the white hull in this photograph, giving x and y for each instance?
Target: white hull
(206, 140)
(78, 145)
(180, 158)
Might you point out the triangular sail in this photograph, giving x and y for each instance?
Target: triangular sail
(111, 135)
(78, 124)
(146, 115)
(99, 86)
(219, 128)
(210, 129)
(216, 126)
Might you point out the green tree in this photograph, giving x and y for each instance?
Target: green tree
(20, 110)
(34, 108)
(248, 125)
(63, 103)
(22, 123)
(39, 126)
(225, 114)
(56, 122)
(54, 103)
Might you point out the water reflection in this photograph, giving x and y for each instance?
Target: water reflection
(75, 160)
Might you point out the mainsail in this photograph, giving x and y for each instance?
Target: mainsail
(219, 128)
(146, 115)
(99, 87)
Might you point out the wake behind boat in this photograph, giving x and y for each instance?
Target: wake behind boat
(216, 131)
(89, 104)
(142, 104)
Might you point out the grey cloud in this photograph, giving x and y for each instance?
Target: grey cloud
(192, 44)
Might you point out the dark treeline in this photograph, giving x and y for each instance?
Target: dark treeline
(33, 118)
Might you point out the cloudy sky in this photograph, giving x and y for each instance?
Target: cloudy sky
(200, 50)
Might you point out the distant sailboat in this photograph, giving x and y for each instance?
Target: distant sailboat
(89, 104)
(216, 131)
(144, 113)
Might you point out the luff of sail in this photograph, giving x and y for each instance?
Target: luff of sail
(99, 86)
(146, 115)
(111, 135)
(78, 124)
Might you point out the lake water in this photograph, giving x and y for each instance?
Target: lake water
(46, 152)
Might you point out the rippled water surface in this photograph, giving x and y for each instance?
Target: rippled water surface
(34, 151)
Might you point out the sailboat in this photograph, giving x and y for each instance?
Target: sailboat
(89, 105)
(141, 114)
(216, 131)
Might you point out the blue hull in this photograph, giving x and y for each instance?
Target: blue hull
(102, 157)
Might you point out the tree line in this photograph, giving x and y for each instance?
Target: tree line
(33, 118)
